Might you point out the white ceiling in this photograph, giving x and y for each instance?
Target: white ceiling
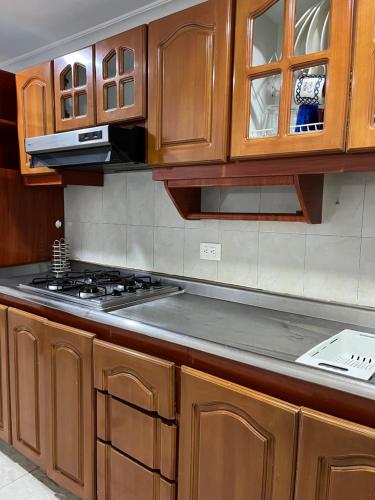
(32, 31)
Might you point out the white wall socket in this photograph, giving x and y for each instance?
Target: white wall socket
(210, 251)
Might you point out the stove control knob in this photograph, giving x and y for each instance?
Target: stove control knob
(116, 293)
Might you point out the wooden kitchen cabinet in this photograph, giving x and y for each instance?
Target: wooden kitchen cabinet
(235, 443)
(35, 110)
(269, 71)
(336, 459)
(139, 379)
(121, 76)
(69, 400)
(189, 85)
(74, 90)
(27, 385)
(362, 112)
(5, 426)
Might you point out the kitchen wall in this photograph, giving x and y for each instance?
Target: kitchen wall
(131, 222)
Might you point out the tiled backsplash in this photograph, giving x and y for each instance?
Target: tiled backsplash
(132, 223)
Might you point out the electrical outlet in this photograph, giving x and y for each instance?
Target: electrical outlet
(210, 251)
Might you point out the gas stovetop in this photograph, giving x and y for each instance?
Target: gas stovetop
(102, 289)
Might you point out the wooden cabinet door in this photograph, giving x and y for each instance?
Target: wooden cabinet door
(74, 90)
(35, 110)
(235, 443)
(70, 408)
(279, 46)
(189, 85)
(27, 376)
(336, 459)
(5, 429)
(362, 112)
(121, 76)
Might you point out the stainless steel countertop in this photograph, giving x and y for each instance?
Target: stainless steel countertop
(252, 327)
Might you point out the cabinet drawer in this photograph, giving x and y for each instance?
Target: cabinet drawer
(144, 437)
(118, 477)
(137, 378)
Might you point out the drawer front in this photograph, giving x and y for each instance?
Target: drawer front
(144, 437)
(142, 380)
(118, 477)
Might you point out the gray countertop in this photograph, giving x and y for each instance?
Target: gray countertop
(245, 330)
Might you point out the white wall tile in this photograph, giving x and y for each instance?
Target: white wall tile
(240, 199)
(281, 262)
(83, 203)
(104, 244)
(239, 258)
(342, 206)
(140, 199)
(332, 266)
(193, 265)
(366, 290)
(165, 212)
(276, 199)
(369, 208)
(140, 247)
(169, 250)
(114, 198)
(73, 236)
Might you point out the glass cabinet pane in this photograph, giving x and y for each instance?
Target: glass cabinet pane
(80, 75)
(308, 100)
(67, 107)
(128, 61)
(128, 93)
(264, 106)
(110, 97)
(311, 33)
(110, 66)
(268, 35)
(81, 104)
(66, 79)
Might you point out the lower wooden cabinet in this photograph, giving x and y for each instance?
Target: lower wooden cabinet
(336, 459)
(120, 478)
(52, 398)
(27, 385)
(5, 429)
(234, 443)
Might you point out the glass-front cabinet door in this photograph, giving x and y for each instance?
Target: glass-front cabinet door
(74, 90)
(121, 65)
(362, 112)
(291, 77)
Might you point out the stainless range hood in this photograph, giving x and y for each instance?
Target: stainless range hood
(106, 148)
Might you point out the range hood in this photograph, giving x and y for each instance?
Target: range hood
(106, 148)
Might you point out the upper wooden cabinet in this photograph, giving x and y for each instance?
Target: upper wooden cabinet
(189, 85)
(362, 113)
(291, 77)
(235, 443)
(74, 90)
(5, 432)
(121, 76)
(336, 459)
(35, 110)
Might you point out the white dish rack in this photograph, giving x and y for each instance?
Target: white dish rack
(349, 353)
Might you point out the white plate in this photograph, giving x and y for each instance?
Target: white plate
(300, 43)
(314, 36)
(325, 32)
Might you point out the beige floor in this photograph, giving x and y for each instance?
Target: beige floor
(21, 480)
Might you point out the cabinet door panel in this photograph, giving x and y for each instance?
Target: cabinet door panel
(268, 107)
(121, 478)
(70, 408)
(27, 374)
(362, 113)
(35, 109)
(234, 442)
(336, 459)
(189, 85)
(74, 90)
(5, 430)
(137, 378)
(121, 63)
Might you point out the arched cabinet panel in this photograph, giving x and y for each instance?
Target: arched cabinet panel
(234, 442)
(5, 427)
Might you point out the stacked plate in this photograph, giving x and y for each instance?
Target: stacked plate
(312, 29)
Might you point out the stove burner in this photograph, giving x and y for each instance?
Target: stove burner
(90, 291)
